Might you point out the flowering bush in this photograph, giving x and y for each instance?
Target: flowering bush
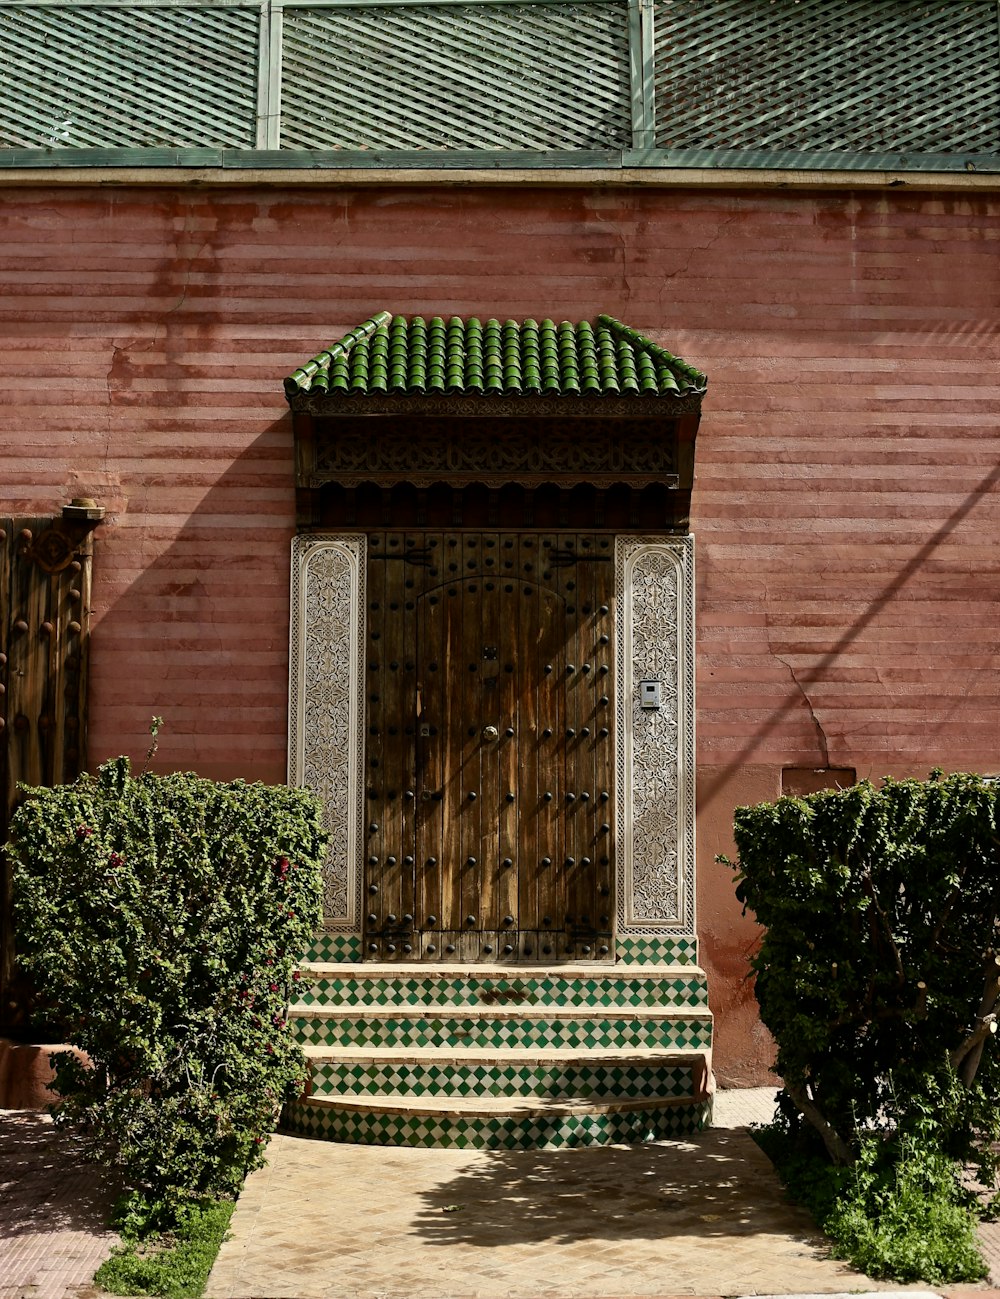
(161, 917)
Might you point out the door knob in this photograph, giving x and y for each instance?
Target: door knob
(490, 733)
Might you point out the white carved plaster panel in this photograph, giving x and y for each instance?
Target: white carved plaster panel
(655, 760)
(325, 694)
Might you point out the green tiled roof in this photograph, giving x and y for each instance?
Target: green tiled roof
(392, 356)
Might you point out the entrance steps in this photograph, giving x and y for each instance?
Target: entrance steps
(502, 1057)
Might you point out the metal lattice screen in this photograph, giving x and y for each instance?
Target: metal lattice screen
(79, 76)
(473, 76)
(883, 76)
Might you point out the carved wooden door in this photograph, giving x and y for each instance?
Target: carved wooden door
(489, 751)
(45, 566)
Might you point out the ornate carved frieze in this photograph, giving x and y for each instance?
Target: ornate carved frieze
(495, 452)
(586, 408)
(655, 642)
(325, 699)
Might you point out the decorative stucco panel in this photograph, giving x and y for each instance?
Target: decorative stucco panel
(325, 696)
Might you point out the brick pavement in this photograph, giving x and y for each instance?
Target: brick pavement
(697, 1218)
(53, 1211)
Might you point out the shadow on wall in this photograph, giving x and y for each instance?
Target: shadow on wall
(191, 590)
(744, 1050)
(802, 679)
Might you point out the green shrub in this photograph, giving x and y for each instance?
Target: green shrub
(161, 917)
(878, 973)
(899, 1211)
(175, 1266)
(903, 1214)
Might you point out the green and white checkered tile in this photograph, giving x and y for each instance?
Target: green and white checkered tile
(674, 1033)
(355, 989)
(503, 1132)
(573, 1080)
(650, 949)
(334, 947)
(630, 949)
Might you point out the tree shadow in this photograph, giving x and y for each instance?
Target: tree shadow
(717, 1185)
(46, 1184)
(809, 675)
(193, 618)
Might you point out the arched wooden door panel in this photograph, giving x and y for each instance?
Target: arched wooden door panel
(489, 758)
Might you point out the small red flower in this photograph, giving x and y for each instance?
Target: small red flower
(83, 832)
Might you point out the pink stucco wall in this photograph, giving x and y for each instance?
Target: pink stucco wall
(845, 507)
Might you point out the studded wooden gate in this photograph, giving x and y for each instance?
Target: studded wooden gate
(488, 746)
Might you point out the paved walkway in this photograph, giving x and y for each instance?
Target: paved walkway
(321, 1221)
(698, 1217)
(53, 1211)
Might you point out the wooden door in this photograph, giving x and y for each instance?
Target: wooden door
(489, 746)
(45, 566)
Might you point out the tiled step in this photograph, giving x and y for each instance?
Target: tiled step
(551, 1075)
(506, 1027)
(502, 1057)
(336, 985)
(495, 1123)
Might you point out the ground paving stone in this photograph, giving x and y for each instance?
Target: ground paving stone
(703, 1217)
(53, 1211)
(700, 1217)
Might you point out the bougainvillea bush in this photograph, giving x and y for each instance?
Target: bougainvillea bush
(161, 918)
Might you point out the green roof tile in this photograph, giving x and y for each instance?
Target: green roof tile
(391, 355)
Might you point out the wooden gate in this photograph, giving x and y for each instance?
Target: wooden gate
(489, 753)
(45, 567)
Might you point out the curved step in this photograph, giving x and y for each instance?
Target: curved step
(495, 1123)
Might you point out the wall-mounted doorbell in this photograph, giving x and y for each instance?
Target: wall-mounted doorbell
(649, 694)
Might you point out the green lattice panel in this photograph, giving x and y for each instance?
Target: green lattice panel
(465, 76)
(571, 1081)
(644, 949)
(866, 76)
(75, 76)
(678, 1033)
(555, 990)
(507, 1132)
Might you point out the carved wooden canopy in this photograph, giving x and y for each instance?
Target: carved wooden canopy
(461, 406)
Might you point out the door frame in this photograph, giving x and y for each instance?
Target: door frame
(654, 883)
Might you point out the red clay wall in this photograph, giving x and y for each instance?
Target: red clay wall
(845, 507)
